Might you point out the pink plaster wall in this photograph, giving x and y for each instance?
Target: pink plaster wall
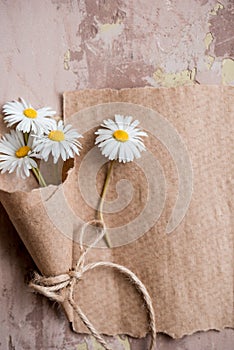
(50, 46)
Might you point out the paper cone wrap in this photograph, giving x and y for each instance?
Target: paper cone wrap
(174, 231)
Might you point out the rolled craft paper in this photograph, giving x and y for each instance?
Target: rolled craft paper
(169, 220)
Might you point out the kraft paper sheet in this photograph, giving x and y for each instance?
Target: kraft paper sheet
(168, 214)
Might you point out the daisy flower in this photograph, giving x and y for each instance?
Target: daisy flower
(120, 139)
(15, 155)
(60, 141)
(26, 117)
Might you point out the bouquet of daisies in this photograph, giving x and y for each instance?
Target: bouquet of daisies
(40, 214)
(37, 135)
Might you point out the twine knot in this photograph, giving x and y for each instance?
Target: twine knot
(74, 274)
(60, 288)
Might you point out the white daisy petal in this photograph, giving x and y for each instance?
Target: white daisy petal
(24, 103)
(45, 112)
(102, 138)
(56, 151)
(137, 133)
(15, 156)
(121, 152)
(106, 141)
(114, 153)
(59, 140)
(110, 124)
(70, 151)
(67, 128)
(108, 147)
(103, 132)
(120, 139)
(33, 164)
(129, 153)
(119, 120)
(135, 150)
(75, 149)
(62, 152)
(140, 145)
(26, 117)
(134, 124)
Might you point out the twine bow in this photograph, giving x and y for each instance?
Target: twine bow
(52, 286)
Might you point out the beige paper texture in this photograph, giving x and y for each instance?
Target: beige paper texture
(181, 185)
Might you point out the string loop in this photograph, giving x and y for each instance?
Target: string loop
(52, 287)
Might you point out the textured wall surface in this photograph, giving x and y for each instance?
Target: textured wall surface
(50, 46)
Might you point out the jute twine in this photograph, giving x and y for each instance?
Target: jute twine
(52, 286)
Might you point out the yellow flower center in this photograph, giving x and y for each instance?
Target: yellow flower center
(56, 135)
(22, 151)
(121, 135)
(30, 113)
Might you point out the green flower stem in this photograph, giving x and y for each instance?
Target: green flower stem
(39, 177)
(42, 180)
(58, 172)
(26, 136)
(101, 203)
(35, 171)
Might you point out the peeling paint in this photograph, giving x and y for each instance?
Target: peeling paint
(124, 342)
(209, 61)
(76, 55)
(119, 342)
(208, 40)
(99, 44)
(228, 71)
(82, 346)
(184, 77)
(221, 27)
(95, 345)
(108, 32)
(66, 60)
(109, 27)
(216, 9)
